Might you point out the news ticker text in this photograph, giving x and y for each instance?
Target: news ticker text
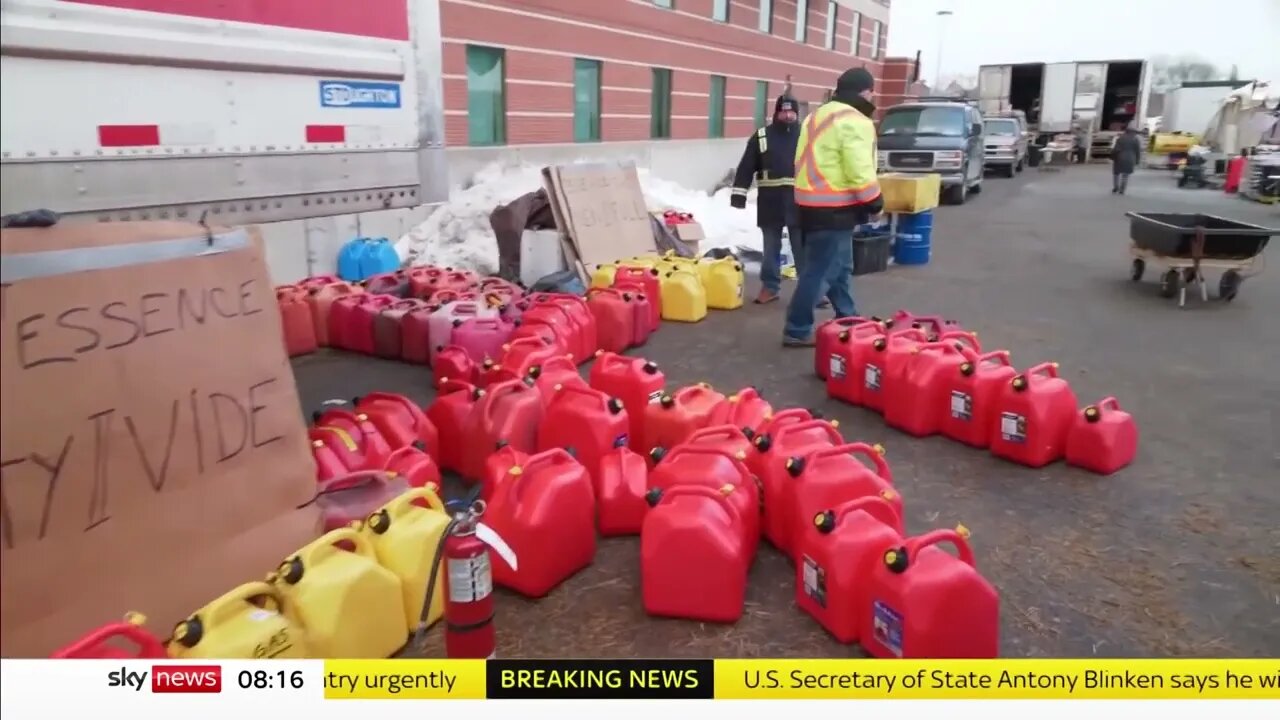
(725, 679)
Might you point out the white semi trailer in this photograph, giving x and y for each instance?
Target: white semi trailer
(313, 118)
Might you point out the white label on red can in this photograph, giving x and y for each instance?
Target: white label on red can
(872, 377)
(961, 406)
(838, 367)
(886, 624)
(1013, 427)
(470, 579)
(815, 582)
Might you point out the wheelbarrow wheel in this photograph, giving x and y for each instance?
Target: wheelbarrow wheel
(1229, 285)
(1137, 269)
(1170, 284)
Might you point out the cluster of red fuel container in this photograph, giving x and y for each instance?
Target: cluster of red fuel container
(928, 376)
(454, 320)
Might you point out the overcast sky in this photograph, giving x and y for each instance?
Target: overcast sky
(1225, 32)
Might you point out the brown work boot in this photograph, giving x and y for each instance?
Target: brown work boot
(806, 341)
(765, 297)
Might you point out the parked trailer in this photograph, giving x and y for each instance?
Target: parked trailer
(311, 117)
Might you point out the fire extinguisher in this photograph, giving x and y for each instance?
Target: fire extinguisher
(468, 583)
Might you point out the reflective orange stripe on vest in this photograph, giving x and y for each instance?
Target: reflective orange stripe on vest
(820, 193)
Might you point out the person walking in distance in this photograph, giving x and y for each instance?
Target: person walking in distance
(769, 159)
(1124, 158)
(836, 190)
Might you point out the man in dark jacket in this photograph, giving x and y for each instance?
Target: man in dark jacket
(1124, 158)
(769, 159)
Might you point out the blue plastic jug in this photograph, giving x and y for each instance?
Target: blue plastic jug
(379, 257)
(349, 259)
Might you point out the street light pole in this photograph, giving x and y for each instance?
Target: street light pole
(942, 34)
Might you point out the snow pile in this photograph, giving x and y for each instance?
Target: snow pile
(458, 233)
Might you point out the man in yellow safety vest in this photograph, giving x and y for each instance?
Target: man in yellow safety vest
(836, 190)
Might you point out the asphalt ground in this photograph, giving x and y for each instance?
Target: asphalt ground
(1177, 555)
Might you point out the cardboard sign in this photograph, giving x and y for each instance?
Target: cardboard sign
(153, 452)
(607, 217)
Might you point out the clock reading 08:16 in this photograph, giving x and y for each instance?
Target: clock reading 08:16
(262, 680)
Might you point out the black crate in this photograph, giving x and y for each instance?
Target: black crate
(871, 252)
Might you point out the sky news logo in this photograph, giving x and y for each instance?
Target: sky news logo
(169, 679)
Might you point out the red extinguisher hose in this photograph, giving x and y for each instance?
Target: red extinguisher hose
(436, 561)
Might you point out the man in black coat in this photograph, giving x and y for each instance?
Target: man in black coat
(769, 159)
(1124, 158)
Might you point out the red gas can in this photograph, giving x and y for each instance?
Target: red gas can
(1033, 414)
(583, 345)
(729, 438)
(329, 462)
(918, 398)
(460, 280)
(496, 468)
(510, 411)
(399, 420)
(316, 281)
(971, 393)
(620, 486)
(545, 510)
(647, 281)
(391, 283)
(355, 439)
(388, 329)
(615, 318)
(412, 463)
(933, 325)
(491, 373)
(927, 603)
(635, 381)
(322, 298)
(899, 354)
(443, 297)
(884, 352)
(693, 558)
(744, 409)
(105, 643)
(642, 315)
(787, 437)
(835, 552)
(483, 337)
(542, 327)
(825, 340)
(1235, 173)
(351, 498)
(585, 420)
(846, 367)
(675, 417)
(342, 317)
(830, 476)
(557, 318)
(360, 331)
(713, 467)
(1103, 438)
(453, 362)
(296, 322)
(415, 334)
(422, 280)
(522, 353)
(454, 402)
(554, 373)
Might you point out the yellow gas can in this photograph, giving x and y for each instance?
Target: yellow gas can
(602, 276)
(647, 260)
(723, 281)
(683, 297)
(351, 606)
(405, 534)
(246, 623)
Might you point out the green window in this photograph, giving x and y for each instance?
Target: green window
(720, 10)
(802, 20)
(766, 16)
(832, 8)
(586, 100)
(486, 100)
(715, 123)
(660, 105)
(762, 102)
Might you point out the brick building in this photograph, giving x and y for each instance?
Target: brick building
(520, 72)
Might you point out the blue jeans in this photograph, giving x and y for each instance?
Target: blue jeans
(826, 270)
(770, 268)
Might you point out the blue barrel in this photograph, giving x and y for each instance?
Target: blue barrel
(915, 239)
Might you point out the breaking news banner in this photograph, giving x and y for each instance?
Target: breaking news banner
(333, 688)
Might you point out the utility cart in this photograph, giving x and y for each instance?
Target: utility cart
(1187, 244)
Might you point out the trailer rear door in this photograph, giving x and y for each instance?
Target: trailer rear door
(1057, 102)
(993, 87)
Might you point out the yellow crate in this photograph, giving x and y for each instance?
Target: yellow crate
(910, 193)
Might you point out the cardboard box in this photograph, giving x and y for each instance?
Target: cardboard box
(910, 193)
(690, 232)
